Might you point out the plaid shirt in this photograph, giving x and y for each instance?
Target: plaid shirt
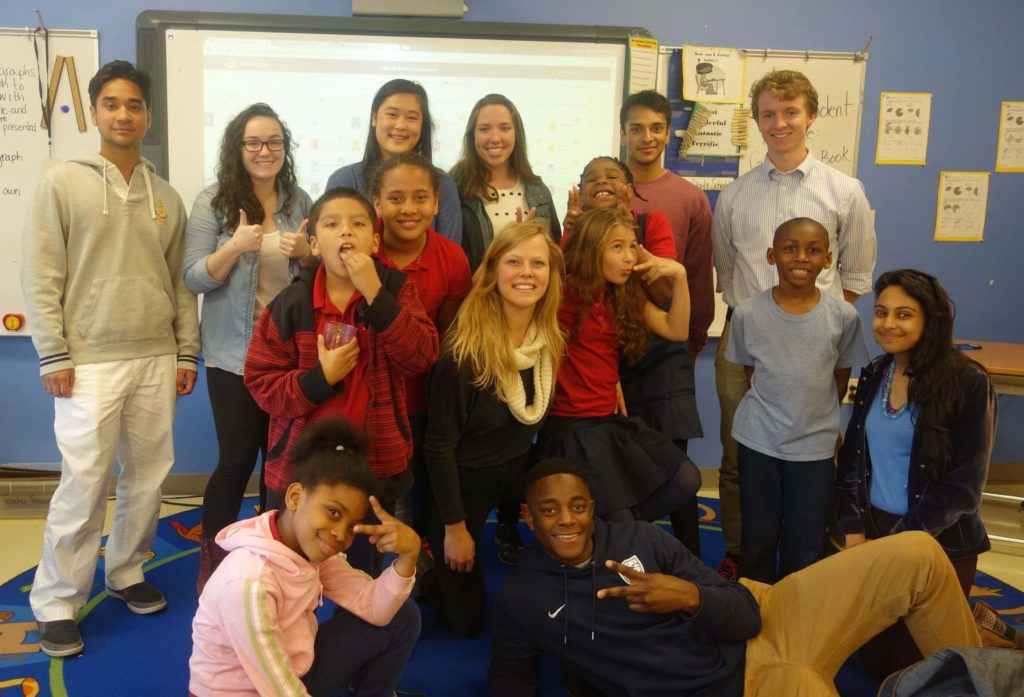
(285, 378)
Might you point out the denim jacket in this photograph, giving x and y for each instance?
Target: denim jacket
(478, 232)
(227, 310)
(946, 508)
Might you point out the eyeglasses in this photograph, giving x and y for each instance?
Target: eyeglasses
(255, 144)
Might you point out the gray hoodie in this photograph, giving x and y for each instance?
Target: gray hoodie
(101, 267)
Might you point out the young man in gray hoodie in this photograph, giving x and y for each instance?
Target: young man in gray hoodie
(117, 334)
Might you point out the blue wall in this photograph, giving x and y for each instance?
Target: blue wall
(968, 54)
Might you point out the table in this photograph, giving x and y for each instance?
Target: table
(1005, 365)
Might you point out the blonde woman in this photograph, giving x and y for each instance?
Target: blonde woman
(488, 396)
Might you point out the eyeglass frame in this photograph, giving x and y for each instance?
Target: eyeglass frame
(248, 142)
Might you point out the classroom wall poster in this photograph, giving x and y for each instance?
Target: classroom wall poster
(643, 64)
(713, 74)
(960, 211)
(1010, 148)
(903, 120)
(715, 137)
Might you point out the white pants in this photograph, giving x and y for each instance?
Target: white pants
(121, 410)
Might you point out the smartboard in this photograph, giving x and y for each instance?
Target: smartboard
(27, 147)
(320, 75)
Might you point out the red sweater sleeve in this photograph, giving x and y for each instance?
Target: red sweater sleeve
(273, 374)
(658, 236)
(408, 336)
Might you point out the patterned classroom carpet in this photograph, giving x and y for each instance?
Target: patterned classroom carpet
(135, 655)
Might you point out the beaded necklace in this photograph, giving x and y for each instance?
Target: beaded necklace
(887, 409)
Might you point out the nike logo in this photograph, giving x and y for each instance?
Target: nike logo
(554, 613)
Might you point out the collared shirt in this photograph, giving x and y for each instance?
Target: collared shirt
(752, 207)
(441, 273)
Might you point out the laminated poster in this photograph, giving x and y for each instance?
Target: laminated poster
(960, 212)
(903, 119)
(713, 75)
(1010, 150)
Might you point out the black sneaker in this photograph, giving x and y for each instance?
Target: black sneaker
(60, 638)
(141, 598)
(509, 543)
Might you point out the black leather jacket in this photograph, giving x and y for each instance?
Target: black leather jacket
(946, 508)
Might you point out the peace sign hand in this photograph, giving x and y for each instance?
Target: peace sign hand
(574, 208)
(652, 592)
(392, 535)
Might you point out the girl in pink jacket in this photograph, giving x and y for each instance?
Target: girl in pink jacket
(255, 632)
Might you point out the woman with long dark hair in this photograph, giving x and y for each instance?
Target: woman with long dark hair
(245, 241)
(497, 185)
(918, 443)
(399, 123)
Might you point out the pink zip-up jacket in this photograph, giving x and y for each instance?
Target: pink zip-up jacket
(253, 632)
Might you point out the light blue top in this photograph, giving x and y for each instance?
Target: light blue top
(448, 221)
(889, 442)
(791, 410)
(228, 305)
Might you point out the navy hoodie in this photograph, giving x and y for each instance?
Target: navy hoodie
(547, 608)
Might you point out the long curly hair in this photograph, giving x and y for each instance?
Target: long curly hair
(372, 154)
(583, 255)
(479, 337)
(234, 186)
(934, 366)
(470, 173)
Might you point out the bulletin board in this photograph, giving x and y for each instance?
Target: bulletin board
(28, 144)
(838, 76)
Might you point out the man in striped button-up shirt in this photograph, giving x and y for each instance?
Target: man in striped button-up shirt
(790, 183)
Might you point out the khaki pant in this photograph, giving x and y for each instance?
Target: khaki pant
(813, 620)
(731, 385)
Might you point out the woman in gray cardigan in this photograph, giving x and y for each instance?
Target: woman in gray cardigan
(496, 184)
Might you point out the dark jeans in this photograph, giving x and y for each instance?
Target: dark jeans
(241, 436)
(785, 507)
(349, 649)
(461, 597)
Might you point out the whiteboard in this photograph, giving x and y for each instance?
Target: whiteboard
(24, 142)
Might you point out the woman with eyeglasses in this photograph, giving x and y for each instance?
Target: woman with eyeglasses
(245, 241)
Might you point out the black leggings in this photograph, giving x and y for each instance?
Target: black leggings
(241, 436)
(672, 495)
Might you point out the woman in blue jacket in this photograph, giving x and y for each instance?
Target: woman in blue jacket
(245, 241)
(917, 447)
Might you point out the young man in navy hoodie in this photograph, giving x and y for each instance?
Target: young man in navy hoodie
(629, 611)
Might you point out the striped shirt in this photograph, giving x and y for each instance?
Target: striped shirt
(752, 207)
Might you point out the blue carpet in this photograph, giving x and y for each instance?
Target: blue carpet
(134, 655)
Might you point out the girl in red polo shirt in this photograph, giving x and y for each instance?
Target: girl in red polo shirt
(406, 195)
(634, 471)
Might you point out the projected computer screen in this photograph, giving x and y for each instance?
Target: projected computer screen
(568, 93)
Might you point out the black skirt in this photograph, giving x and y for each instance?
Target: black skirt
(623, 459)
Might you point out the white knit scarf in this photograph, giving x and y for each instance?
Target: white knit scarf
(532, 354)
